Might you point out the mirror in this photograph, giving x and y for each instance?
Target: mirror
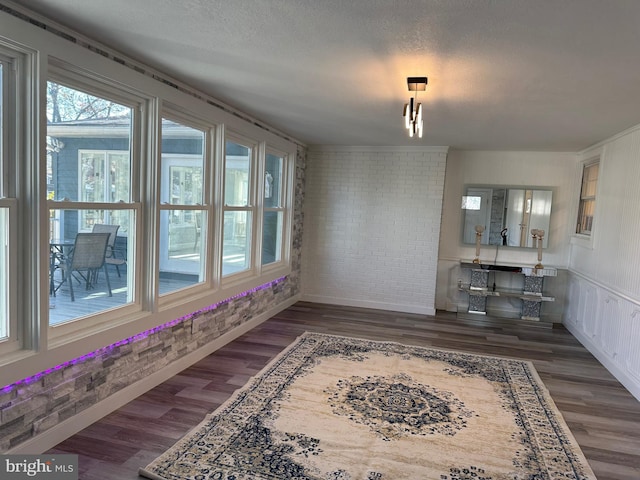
(508, 215)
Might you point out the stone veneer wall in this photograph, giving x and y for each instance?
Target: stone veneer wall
(31, 408)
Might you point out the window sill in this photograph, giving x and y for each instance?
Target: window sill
(583, 241)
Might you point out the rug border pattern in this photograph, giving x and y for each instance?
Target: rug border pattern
(527, 390)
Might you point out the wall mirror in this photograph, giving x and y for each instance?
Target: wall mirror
(507, 213)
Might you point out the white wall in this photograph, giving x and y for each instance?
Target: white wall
(603, 302)
(556, 170)
(359, 201)
(372, 226)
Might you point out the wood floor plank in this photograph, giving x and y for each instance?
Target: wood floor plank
(602, 415)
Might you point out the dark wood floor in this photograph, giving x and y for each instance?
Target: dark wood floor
(603, 416)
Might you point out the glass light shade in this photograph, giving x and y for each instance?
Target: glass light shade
(412, 113)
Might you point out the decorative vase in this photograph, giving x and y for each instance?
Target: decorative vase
(538, 235)
(479, 230)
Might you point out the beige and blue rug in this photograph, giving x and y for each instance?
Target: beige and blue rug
(338, 408)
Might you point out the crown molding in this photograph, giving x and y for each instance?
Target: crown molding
(380, 149)
(589, 150)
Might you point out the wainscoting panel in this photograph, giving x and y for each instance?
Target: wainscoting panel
(572, 314)
(611, 337)
(631, 358)
(608, 325)
(589, 302)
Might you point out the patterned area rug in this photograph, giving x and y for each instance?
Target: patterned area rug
(338, 408)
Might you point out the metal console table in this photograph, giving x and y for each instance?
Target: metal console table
(531, 294)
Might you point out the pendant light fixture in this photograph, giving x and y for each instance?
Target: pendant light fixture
(413, 109)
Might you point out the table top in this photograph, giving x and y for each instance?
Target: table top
(61, 243)
(527, 270)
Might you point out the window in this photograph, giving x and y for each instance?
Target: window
(104, 177)
(587, 205)
(183, 217)
(4, 213)
(471, 202)
(188, 215)
(273, 208)
(4, 272)
(89, 189)
(238, 211)
(13, 69)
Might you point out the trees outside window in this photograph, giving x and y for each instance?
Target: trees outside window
(89, 172)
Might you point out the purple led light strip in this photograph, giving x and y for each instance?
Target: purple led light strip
(134, 338)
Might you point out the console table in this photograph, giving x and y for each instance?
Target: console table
(530, 295)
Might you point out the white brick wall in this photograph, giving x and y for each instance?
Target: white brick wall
(372, 226)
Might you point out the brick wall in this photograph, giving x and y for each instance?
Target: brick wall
(30, 408)
(373, 226)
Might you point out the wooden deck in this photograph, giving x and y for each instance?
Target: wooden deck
(602, 415)
(97, 299)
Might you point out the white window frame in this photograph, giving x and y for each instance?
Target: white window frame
(10, 340)
(18, 90)
(250, 208)
(581, 239)
(209, 280)
(580, 230)
(74, 78)
(95, 151)
(46, 56)
(285, 208)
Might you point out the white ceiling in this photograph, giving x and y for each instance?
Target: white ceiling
(503, 74)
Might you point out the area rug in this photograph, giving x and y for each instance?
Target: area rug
(339, 408)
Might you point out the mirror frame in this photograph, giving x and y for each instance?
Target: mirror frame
(494, 233)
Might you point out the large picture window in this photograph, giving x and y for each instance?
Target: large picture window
(125, 205)
(89, 187)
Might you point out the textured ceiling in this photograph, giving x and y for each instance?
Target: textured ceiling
(503, 74)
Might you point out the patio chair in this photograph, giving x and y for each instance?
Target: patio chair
(113, 257)
(87, 258)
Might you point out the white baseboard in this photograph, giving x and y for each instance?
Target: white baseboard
(73, 425)
(392, 307)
